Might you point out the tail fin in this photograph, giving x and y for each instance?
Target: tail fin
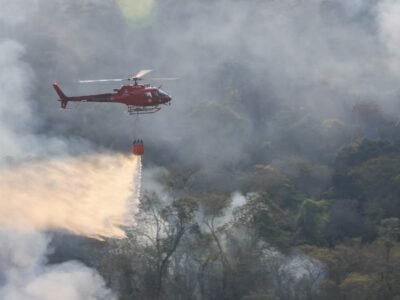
(63, 98)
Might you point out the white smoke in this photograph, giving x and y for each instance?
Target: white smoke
(17, 121)
(237, 200)
(42, 188)
(91, 196)
(15, 113)
(389, 29)
(24, 275)
(16, 11)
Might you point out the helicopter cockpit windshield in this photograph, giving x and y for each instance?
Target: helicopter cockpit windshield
(163, 94)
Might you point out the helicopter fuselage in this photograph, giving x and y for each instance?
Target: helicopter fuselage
(140, 98)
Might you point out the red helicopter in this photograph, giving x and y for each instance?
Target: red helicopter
(140, 98)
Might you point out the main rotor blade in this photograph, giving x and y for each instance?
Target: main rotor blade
(162, 78)
(141, 73)
(101, 80)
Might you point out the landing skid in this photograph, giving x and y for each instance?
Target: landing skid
(132, 110)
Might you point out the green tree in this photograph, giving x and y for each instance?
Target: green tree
(312, 220)
(377, 182)
(357, 286)
(389, 234)
(274, 184)
(307, 176)
(163, 227)
(270, 222)
(353, 155)
(214, 207)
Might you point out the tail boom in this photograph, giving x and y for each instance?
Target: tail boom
(88, 98)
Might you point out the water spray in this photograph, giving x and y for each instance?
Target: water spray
(92, 195)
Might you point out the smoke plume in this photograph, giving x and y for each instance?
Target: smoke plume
(24, 276)
(50, 182)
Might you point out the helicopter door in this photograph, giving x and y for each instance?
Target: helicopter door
(155, 95)
(148, 96)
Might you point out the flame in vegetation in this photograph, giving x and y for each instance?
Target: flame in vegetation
(88, 195)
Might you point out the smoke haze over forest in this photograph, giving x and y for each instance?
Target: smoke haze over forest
(280, 149)
(269, 56)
